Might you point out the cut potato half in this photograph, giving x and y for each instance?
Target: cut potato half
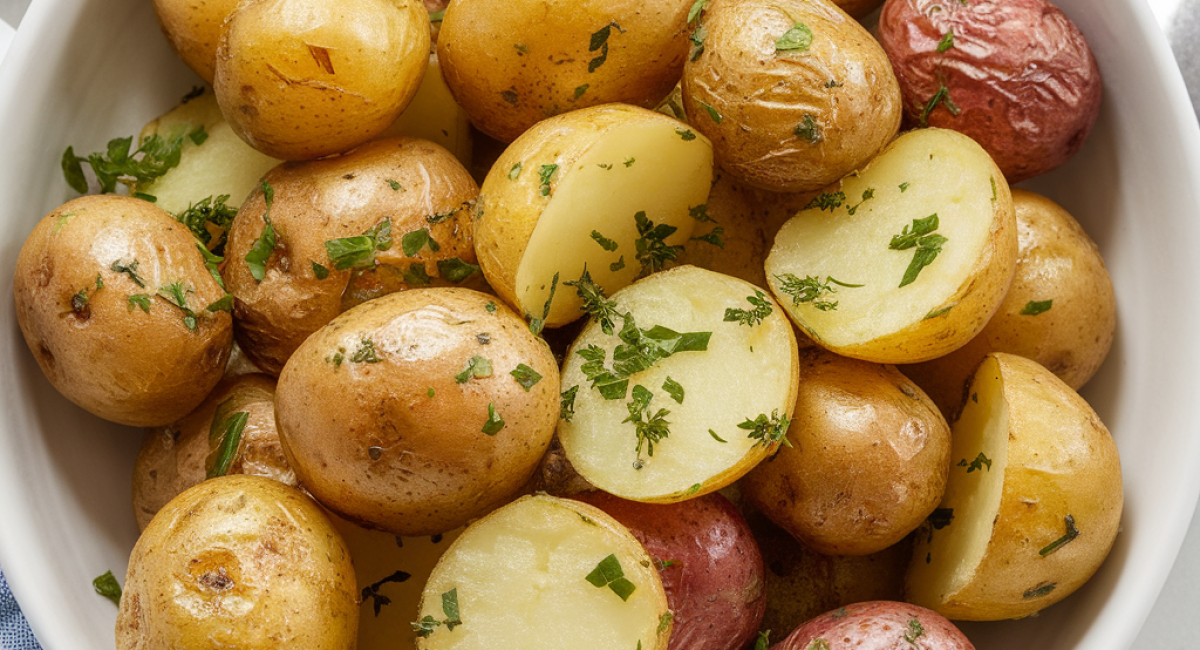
(712, 414)
(606, 188)
(219, 164)
(906, 259)
(544, 573)
(1033, 502)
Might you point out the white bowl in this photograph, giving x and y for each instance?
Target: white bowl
(81, 72)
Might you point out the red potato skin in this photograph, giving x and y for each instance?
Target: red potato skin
(715, 586)
(1020, 73)
(877, 625)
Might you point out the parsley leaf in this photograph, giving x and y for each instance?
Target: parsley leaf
(605, 243)
(428, 624)
(811, 290)
(456, 270)
(698, 7)
(947, 41)
(260, 251)
(106, 585)
(799, 37)
(226, 433)
(366, 352)
(652, 250)
(566, 409)
(712, 112)
(674, 389)
(514, 172)
(117, 165)
(1036, 307)
(1072, 533)
(697, 39)
(209, 220)
(608, 573)
(359, 251)
(978, 464)
(129, 269)
(928, 245)
(650, 428)
(700, 213)
(942, 96)
(412, 243)
(599, 41)
(378, 600)
(494, 422)
(477, 366)
(768, 431)
(809, 130)
(752, 317)
(826, 201)
(139, 300)
(545, 174)
(527, 377)
(594, 302)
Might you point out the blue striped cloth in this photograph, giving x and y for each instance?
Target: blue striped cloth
(14, 631)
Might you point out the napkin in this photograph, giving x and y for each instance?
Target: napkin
(14, 631)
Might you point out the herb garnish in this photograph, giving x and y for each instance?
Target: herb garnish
(594, 302)
(514, 172)
(947, 41)
(712, 237)
(768, 431)
(1072, 533)
(319, 272)
(566, 408)
(378, 600)
(428, 624)
(600, 42)
(477, 366)
(978, 464)
(412, 242)
(605, 243)
(608, 573)
(365, 353)
(941, 96)
(640, 349)
(536, 325)
(580, 90)
(818, 644)
(826, 201)
(139, 300)
(686, 134)
(764, 641)
(260, 251)
(799, 37)
(650, 428)
(359, 251)
(130, 270)
(545, 174)
(209, 220)
(921, 237)
(117, 165)
(175, 294)
(1035, 307)
(697, 39)
(225, 433)
(915, 631)
(527, 377)
(494, 422)
(700, 213)
(652, 249)
(1040, 590)
(867, 195)
(752, 317)
(811, 290)
(809, 130)
(456, 270)
(674, 389)
(712, 112)
(697, 8)
(211, 261)
(106, 585)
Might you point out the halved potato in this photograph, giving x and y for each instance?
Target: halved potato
(544, 573)
(713, 402)
(904, 260)
(1033, 502)
(607, 188)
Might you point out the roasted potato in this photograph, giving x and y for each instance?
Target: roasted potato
(877, 625)
(1015, 75)
(118, 307)
(794, 94)
(239, 561)
(194, 29)
(418, 411)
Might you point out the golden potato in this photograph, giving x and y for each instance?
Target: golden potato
(1059, 311)
(301, 79)
(1033, 503)
(175, 457)
(794, 94)
(418, 411)
(239, 561)
(867, 460)
(116, 304)
(406, 226)
(512, 63)
(194, 29)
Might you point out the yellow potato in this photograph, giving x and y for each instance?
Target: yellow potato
(194, 29)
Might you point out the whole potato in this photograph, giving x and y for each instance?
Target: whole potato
(240, 562)
(418, 411)
(1015, 75)
(301, 79)
(117, 306)
(194, 29)
(794, 94)
(877, 625)
(175, 457)
(868, 458)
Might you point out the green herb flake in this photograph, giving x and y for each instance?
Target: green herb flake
(716, 437)
(904, 187)
(712, 112)
(359, 251)
(938, 312)
(226, 432)
(209, 220)
(224, 303)
(818, 644)
(130, 270)
(763, 642)
(921, 237)
(769, 432)
(477, 366)
(430, 393)
(428, 624)
(580, 90)
(649, 427)
(914, 632)
(412, 243)
(674, 389)
(117, 164)
(617, 265)
(629, 162)
(798, 38)
(947, 41)
(809, 130)
(546, 174)
(1071, 534)
(521, 49)
(396, 187)
(566, 409)
(494, 422)
(366, 352)
(652, 250)
(978, 464)
(1036, 307)
(527, 377)
(686, 134)
(664, 621)
(456, 270)
(700, 213)
(833, 83)
(605, 166)
(942, 96)
(1039, 591)
(605, 243)
(599, 41)
(514, 172)
(827, 201)
(867, 195)
(697, 39)
(608, 573)
(176, 294)
(490, 307)
(106, 585)
(371, 591)
(260, 251)
(697, 8)
(693, 490)
(139, 300)
(713, 237)
(417, 276)
(750, 317)
(811, 290)
(320, 272)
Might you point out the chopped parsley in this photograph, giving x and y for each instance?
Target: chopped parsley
(867, 195)
(639, 349)
(697, 8)
(921, 237)
(378, 600)
(716, 437)
(536, 325)
(580, 90)
(226, 433)
(116, 164)
(545, 174)
(700, 213)
(130, 270)
(674, 389)
(763, 642)
(494, 422)
(566, 409)
(697, 39)
(712, 237)
(1036, 307)
(106, 585)
(629, 162)
(608, 573)
(617, 265)
(768, 431)
(687, 134)
(914, 632)
(947, 41)
(1071, 534)
(365, 353)
(799, 37)
(359, 251)
(595, 304)
(527, 377)
(209, 220)
(456, 270)
(224, 303)
(599, 42)
(650, 427)
(396, 187)
(978, 464)
(176, 294)
(514, 172)
(319, 272)
(211, 262)
(412, 242)
(428, 624)
(827, 201)
(260, 251)
(811, 290)
(942, 96)
(605, 243)
(652, 250)
(477, 366)
(1040, 590)
(751, 317)
(712, 112)
(139, 300)
(809, 130)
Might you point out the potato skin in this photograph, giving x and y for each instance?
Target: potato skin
(175, 457)
(301, 79)
(397, 443)
(878, 625)
(868, 463)
(512, 63)
(95, 346)
(310, 208)
(793, 120)
(1056, 261)
(1020, 74)
(714, 580)
(239, 561)
(193, 27)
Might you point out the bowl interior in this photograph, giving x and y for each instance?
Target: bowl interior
(81, 72)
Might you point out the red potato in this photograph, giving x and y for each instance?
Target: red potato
(1018, 75)
(713, 572)
(877, 625)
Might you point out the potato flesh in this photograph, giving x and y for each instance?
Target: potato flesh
(667, 176)
(746, 371)
(957, 550)
(520, 579)
(939, 177)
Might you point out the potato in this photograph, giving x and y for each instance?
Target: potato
(418, 411)
(608, 189)
(794, 94)
(905, 260)
(407, 226)
(544, 573)
(512, 63)
(114, 300)
(1060, 310)
(1015, 75)
(700, 388)
(175, 457)
(434, 115)
(193, 29)
(239, 561)
(709, 563)
(877, 625)
(866, 462)
(1033, 503)
(301, 79)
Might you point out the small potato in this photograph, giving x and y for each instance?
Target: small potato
(794, 94)
(301, 79)
(709, 563)
(1060, 310)
(513, 63)
(239, 561)
(1015, 75)
(117, 306)
(877, 625)
(867, 461)
(194, 29)
(184, 453)
(418, 411)
(406, 227)
(1033, 503)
